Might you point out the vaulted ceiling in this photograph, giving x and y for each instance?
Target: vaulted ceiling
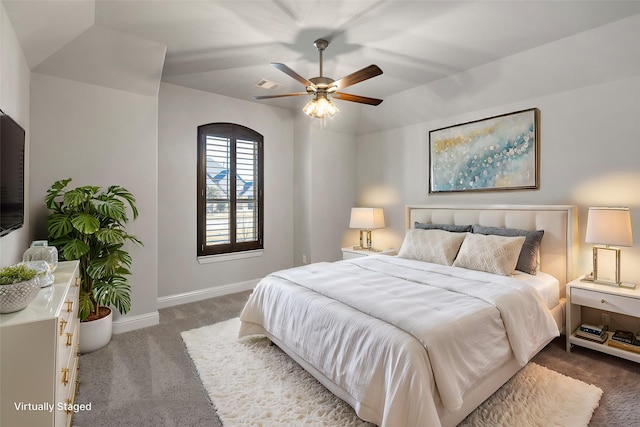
(225, 47)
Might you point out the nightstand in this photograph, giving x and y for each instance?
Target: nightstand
(607, 298)
(350, 253)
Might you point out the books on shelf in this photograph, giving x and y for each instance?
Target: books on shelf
(625, 340)
(592, 329)
(623, 336)
(592, 333)
(624, 346)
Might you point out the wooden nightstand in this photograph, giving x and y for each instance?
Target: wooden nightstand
(350, 253)
(607, 298)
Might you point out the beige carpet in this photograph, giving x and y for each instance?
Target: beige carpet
(253, 383)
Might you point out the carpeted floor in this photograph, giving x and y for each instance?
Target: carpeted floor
(254, 383)
(146, 378)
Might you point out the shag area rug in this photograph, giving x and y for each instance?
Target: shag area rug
(253, 383)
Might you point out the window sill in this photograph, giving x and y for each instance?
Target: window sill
(208, 259)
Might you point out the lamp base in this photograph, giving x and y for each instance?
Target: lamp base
(590, 279)
(365, 240)
(627, 285)
(606, 265)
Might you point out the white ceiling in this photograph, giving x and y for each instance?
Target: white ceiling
(225, 47)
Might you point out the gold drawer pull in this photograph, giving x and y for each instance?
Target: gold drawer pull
(65, 376)
(63, 324)
(68, 406)
(69, 339)
(603, 301)
(69, 306)
(76, 283)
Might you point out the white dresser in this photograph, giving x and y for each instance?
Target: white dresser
(39, 355)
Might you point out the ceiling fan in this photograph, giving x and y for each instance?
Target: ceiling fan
(321, 87)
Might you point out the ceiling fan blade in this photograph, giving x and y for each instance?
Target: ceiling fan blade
(356, 98)
(280, 96)
(357, 77)
(292, 73)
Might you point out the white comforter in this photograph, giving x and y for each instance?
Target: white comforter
(365, 324)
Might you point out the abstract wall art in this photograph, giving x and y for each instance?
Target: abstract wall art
(496, 153)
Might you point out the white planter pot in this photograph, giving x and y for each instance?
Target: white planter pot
(95, 334)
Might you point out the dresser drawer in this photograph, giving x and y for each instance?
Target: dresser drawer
(67, 375)
(351, 255)
(68, 329)
(66, 357)
(608, 302)
(69, 309)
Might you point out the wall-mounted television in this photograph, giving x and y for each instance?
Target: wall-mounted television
(11, 175)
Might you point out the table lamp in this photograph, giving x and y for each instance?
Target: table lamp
(366, 219)
(608, 226)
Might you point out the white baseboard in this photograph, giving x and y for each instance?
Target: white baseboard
(130, 323)
(127, 323)
(216, 291)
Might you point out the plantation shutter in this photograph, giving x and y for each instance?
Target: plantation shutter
(230, 189)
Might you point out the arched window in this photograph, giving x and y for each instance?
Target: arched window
(230, 189)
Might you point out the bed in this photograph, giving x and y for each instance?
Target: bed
(408, 342)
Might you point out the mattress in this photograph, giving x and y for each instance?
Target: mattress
(545, 284)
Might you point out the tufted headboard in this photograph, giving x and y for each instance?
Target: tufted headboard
(559, 222)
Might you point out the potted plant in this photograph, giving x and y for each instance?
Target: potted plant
(88, 224)
(18, 287)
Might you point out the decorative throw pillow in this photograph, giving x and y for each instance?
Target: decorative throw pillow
(490, 253)
(436, 246)
(528, 258)
(446, 227)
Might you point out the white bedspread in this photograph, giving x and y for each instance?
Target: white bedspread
(365, 324)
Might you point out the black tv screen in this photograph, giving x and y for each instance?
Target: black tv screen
(11, 175)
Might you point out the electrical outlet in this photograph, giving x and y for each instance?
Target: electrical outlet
(606, 319)
(304, 259)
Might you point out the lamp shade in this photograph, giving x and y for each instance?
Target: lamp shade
(366, 218)
(609, 226)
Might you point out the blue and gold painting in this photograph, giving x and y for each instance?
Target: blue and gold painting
(497, 153)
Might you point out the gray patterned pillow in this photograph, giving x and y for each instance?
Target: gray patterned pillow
(528, 258)
(436, 246)
(490, 253)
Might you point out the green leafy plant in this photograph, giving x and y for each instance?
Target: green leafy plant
(89, 224)
(16, 274)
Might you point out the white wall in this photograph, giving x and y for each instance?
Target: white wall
(14, 101)
(324, 190)
(589, 146)
(302, 196)
(99, 136)
(181, 111)
(333, 193)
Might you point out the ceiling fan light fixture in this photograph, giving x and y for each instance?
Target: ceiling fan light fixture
(321, 87)
(320, 107)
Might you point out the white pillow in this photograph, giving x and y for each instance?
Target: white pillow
(490, 253)
(436, 246)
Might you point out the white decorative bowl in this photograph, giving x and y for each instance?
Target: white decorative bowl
(17, 296)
